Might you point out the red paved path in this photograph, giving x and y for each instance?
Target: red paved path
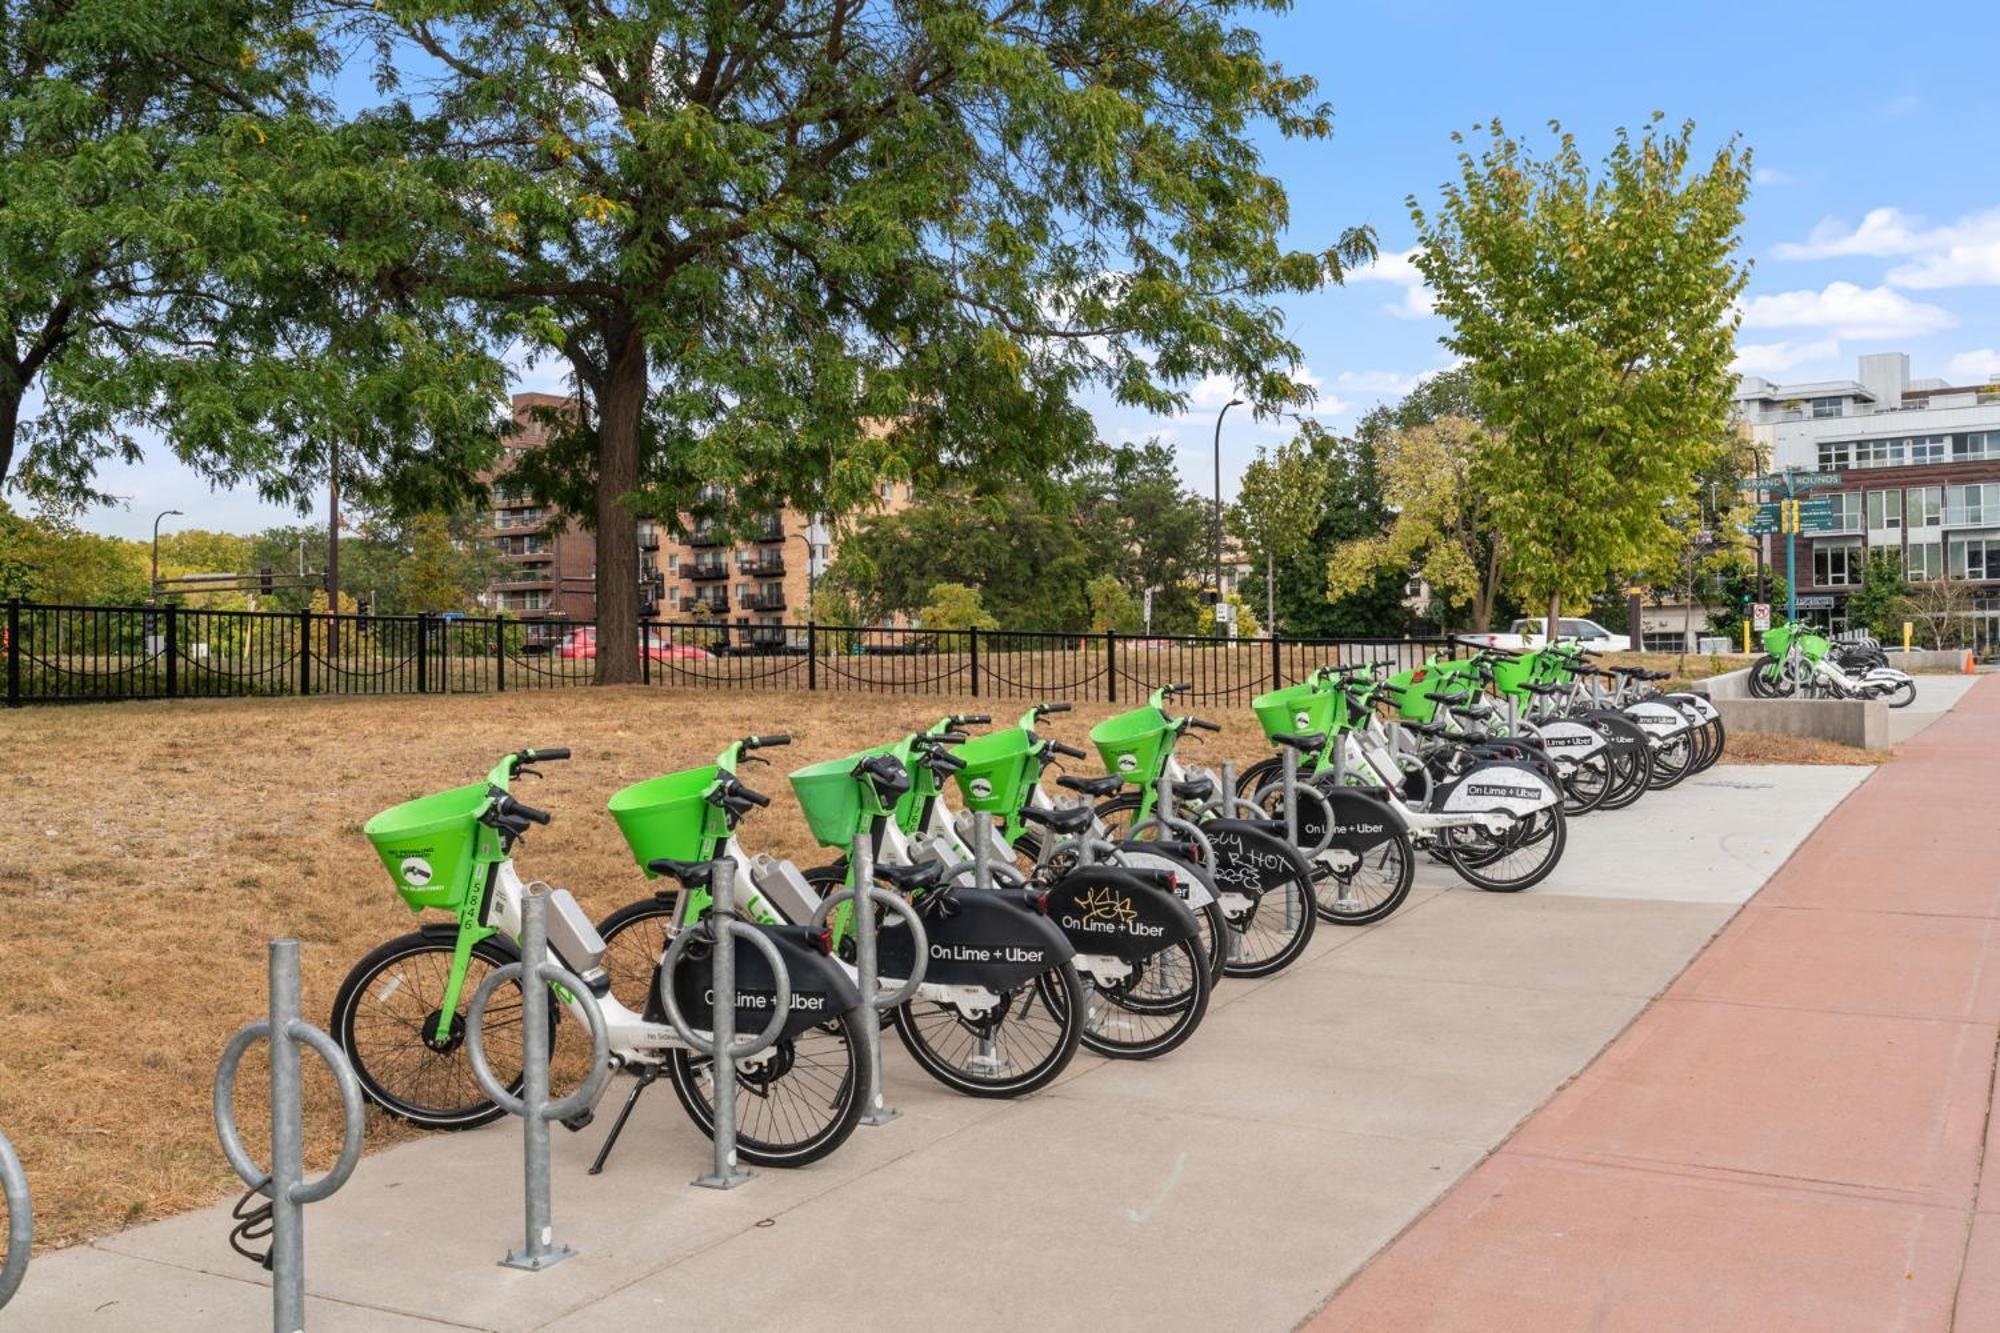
(1793, 1136)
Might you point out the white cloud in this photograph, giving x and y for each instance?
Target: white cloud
(1399, 267)
(1965, 253)
(1844, 310)
(1772, 176)
(1782, 357)
(1974, 367)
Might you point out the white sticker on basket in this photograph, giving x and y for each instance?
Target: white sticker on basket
(416, 871)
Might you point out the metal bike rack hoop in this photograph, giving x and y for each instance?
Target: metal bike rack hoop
(284, 1184)
(20, 1222)
(536, 973)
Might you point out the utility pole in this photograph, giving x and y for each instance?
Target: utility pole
(333, 550)
(169, 513)
(1234, 402)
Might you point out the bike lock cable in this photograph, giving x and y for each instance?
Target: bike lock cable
(252, 1224)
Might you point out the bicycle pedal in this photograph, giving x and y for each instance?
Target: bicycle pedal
(580, 1121)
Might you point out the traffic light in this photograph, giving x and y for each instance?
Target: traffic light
(264, 581)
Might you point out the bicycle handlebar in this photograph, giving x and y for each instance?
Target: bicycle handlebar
(540, 756)
(505, 805)
(1204, 724)
(1049, 710)
(771, 741)
(1068, 751)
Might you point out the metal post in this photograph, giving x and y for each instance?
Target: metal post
(20, 1222)
(724, 1174)
(1791, 564)
(13, 646)
(285, 1185)
(812, 655)
(982, 853)
(873, 1112)
(305, 652)
(1289, 765)
(173, 650)
(972, 650)
(423, 651)
(1277, 668)
(500, 654)
(1111, 666)
(535, 973)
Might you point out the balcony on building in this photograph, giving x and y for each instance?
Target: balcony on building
(649, 537)
(530, 576)
(765, 565)
(770, 528)
(714, 602)
(705, 571)
(764, 601)
(705, 534)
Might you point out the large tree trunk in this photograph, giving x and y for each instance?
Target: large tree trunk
(1551, 628)
(619, 408)
(10, 424)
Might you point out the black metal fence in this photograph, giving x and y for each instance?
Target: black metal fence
(67, 654)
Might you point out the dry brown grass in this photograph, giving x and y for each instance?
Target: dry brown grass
(1767, 747)
(151, 850)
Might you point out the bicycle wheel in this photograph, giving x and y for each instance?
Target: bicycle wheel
(1267, 927)
(1903, 695)
(1632, 767)
(385, 1018)
(1013, 1047)
(1353, 888)
(1028, 850)
(1153, 1010)
(1674, 760)
(1588, 783)
(1520, 860)
(794, 1104)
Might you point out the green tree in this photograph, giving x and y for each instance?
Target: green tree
(50, 559)
(751, 230)
(1113, 607)
(1880, 604)
(438, 574)
(1595, 312)
(1440, 524)
(1139, 521)
(181, 244)
(1278, 506)
(955, 606)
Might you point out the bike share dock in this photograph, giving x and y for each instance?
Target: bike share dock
(1241, 1182)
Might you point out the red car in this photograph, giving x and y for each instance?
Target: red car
(582, 643)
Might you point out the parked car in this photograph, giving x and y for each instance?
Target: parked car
(581, 644)
(1524, 634)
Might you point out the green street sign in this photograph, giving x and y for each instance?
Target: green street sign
(1766, 482)
(1760, 527)
(1822, 506)
(1815, 478)
(1789, 481)
(1814, 525)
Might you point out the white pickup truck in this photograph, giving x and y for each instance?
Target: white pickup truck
(1524, 634)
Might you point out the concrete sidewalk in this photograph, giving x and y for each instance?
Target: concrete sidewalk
(1236, 1183)
(1798, 1136)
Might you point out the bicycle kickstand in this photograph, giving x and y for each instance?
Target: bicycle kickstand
(648, 1075)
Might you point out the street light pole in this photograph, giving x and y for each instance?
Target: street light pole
(1234, 402)
(169, 513)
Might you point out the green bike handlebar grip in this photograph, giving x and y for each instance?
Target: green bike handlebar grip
(553, 752)
(1048, 710)
(771, 741)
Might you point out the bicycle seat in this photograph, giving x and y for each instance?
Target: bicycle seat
(691, 874)
(1067, 820)
(921, 875)
(1424, 728)
(1533, 688)
(1305, 742)
(1471, 712)
(1106, 785)
(1199, 789)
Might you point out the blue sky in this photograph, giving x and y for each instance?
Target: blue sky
(1874, 223)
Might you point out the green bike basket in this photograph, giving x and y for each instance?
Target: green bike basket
(1131, 743)
(1298, 709)
(1419, 681)
(666, 816)
(998, 771)
(1510, 674)
(1777, 640)
(427, 845)
(830, 795)
(1814, 646)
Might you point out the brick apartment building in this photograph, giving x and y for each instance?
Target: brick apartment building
(1919, 468)
(755, 585)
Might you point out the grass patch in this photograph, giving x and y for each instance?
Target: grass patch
(1768, 747)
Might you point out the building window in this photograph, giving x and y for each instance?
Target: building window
(1925, 506)
(1836, 456)
(1826, 407)
(1971, 506)
(1836, 566)
(1846, 511)
(1974, 448)
(887, 490)
(1924, 561)
(1878, 453)
(1885, 510)
(1929, 449)
(1976, 555)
